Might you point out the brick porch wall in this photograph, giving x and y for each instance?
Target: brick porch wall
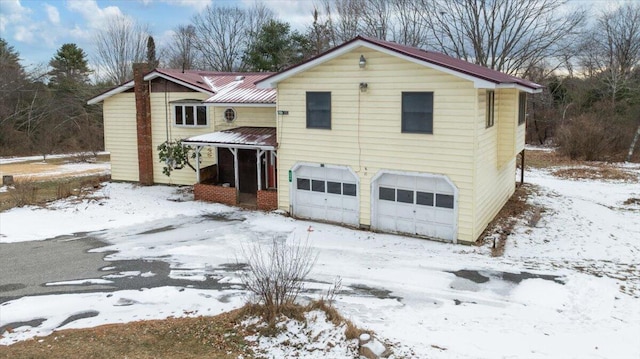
(216, 194)
(267, 200)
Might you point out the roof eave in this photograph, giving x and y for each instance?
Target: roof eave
(228, 145)
(239, 104)
(478, 81)
(519, 87)
(155, 74)
(114, 91)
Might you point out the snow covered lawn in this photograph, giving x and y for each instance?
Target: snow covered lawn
(567, 287)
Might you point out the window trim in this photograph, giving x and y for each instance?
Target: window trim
(308, 111)
(490, 110)
(183, 113)
(233, 110)
(403, 128)
(522, 108)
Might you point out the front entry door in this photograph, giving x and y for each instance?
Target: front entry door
(247, 171)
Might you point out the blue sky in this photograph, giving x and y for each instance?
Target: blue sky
(37, 28)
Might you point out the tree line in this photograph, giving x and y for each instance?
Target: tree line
(588, 61)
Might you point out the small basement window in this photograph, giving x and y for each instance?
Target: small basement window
(190, 115)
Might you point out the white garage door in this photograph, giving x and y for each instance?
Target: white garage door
(326, 194)
(420, 204)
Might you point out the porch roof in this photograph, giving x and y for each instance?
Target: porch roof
(241, 137)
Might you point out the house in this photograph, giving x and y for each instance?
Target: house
(369, 134)
(224, 112)
(383, 136)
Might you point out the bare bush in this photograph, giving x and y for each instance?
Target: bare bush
(589, 138)
(63, 190)
(277, 272)
(24, 192)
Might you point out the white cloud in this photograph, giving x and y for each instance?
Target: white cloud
(52, 14)
(196, 4)
(95, 17)
(24, 33)
(12, 12)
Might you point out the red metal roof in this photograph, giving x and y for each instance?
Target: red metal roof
(228, 87)
(240, 136)
(452, 63)
(225, 87)
(431, 57)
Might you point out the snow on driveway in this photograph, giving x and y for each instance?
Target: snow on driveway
(566, 288)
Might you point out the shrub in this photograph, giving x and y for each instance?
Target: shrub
(277, 272)
(24, 192)
(590, 138)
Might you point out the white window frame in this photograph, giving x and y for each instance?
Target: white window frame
(182, 108)
(491, 108)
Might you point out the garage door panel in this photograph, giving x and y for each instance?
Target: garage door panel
(405, 226)
(386, 180)
(425, 184)
(425, 214)
(443, 216)
(421, 204)
(425, 229)
(326, 193)
(405, 182)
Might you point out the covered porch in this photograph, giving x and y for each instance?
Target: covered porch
(245, 169)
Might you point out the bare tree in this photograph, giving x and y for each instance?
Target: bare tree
(408, 28)
(221, 36)
(345, 18)
(318, 34)
(122, 43)
(611, 51)
(376, 19)
(181, 52)
(506, 35)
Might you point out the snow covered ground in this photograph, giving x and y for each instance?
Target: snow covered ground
(34, 168)
(567, 287)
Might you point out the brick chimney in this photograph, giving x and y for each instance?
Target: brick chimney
(143, 123)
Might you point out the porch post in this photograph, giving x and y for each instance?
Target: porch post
(522, 167)
(259, 154)
(236, 180)
(198, 149)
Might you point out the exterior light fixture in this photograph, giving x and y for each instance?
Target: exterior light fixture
(363, 62)
(364, 86)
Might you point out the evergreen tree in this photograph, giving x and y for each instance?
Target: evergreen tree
(276, 48)
(69, 68)
(151, 52)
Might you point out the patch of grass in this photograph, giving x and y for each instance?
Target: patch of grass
(599, 172)
(351, 332)
(546, 159)
(28, 191)
(201, 337)
(631, 201)
(502, 225)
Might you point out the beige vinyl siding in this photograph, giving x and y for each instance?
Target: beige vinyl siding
(495, 158)
(245, 116)
(507, 122)
(163, 128)
(366, 127)
(120, 136)
(520, 132)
